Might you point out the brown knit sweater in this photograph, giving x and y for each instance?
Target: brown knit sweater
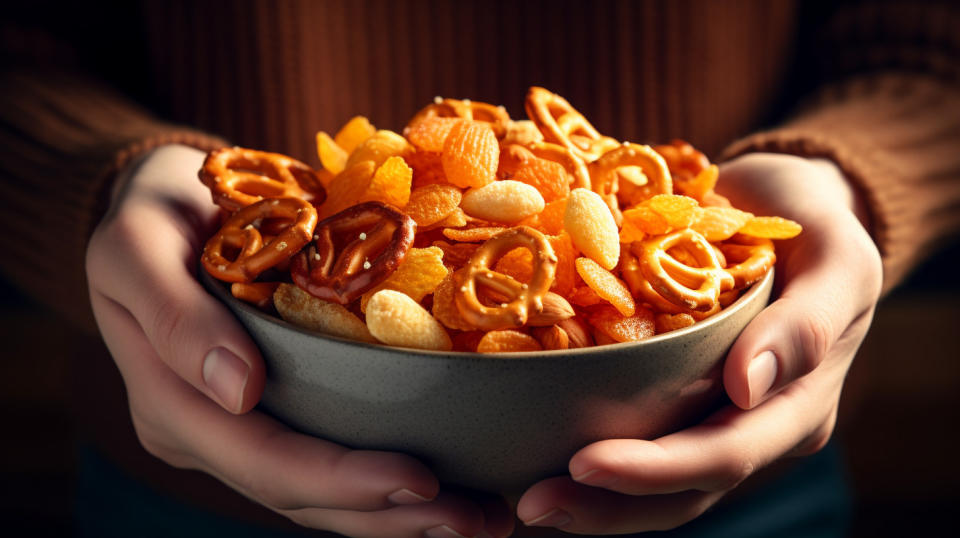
(874, 86)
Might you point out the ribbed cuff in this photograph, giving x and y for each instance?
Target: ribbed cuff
(894, 137)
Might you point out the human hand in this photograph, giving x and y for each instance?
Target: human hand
(193, 377)
(784, 373)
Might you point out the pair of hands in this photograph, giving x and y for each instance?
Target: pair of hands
(193, 375)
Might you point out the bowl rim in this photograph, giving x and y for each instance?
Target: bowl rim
(220, 290)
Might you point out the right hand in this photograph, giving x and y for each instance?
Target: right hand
(193, 376)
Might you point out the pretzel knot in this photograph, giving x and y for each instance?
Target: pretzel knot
(354, 250)
(751, 257)
(683, 160)
(240, 237)
(604, 178)
(693, 287)
(521, 299)
(496, 116)
(574, 165)
(238, 177)
(561, 124)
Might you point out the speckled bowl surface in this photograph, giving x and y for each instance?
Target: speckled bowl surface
(493, 422)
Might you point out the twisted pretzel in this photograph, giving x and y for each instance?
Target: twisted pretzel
(240, 234)
(752, 258)
(496, 116)
(683, 160)
(574, 165)
(695, 288)
(604, 180)
(561, 124)
(372, 239)
(238, 177)
(520, 299)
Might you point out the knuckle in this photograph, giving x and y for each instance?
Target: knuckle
(733, 473)
(815, 335)
(153, 442)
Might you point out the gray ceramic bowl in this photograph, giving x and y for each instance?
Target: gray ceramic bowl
(492, 422)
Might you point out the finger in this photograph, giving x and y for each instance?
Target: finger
(448, 516)
(579, 509)
(717, 454)
(142, 260)
(826, 290)
(253, 453)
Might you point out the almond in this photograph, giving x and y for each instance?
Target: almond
(551, 337)
(555, 309)
(577, 332)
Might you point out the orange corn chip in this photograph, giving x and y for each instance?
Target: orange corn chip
(456, 254)
(566, 275)
(584, 296)
(607, 286)
(347, 188)
(644, 220)
(353, 133)
(444, 309)
(427, 169)
(771, 228)
(664, 323)
(472, 235)
(629, 230)
(430, 204)
(678, 211)
(470, 154)
(507, 340)
(518, 263)
(720, 223)
(700, 185)
(548, 177)
(390, 184)
(380, 147)
(608, 321)
(332, 156)
(430, 133)
(420, 273)
(550, 220)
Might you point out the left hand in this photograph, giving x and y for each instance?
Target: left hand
(784, 374)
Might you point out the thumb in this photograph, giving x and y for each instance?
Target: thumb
(142, 262)
(828, 285)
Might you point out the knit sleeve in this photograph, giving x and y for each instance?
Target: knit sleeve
(65, 137)
(890, 119)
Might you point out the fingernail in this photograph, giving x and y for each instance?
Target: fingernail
(761, 375)
(442, 531)
(597, 478)
(226, 375)
(405, 496)
(553, 518)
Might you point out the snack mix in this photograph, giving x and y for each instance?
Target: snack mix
(475, 232)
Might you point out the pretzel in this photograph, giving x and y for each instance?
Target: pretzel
(238, 177)
(604, 180)
(684, 161)
(752, 258)
(574, 165)
(496, 116)
(372, 239)
(695, 288)
(241, 233)
(520, 299)
(561, 124)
